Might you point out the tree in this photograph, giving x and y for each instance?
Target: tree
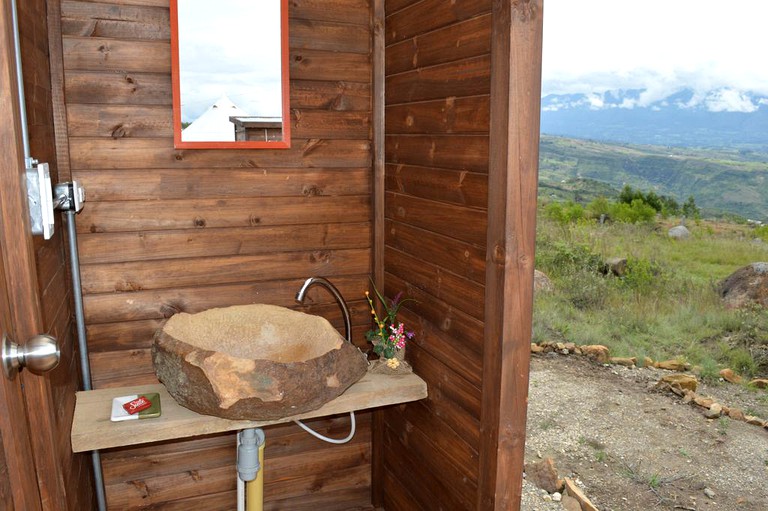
(690, 210)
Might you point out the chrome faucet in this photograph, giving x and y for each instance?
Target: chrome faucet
(336, 294)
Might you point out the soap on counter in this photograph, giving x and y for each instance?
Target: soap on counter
(137, 406)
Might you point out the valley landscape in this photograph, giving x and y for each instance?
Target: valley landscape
(605, 425)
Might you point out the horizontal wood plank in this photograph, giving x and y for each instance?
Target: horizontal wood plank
(152, 153)
(453, 186)
(92, 428)
(454, 42)
(451, 115)
(456, 291)
(460, 257)
(445, 151)
(96, 19)
(331, 95)
(169, 274)
(117, 87)
(101, 217)
(459, 327)
(313, 34)
(159, 304)
(324, 65)
(148, 246)
(469, 77)
(428, 15)
(104, 54)
(206, 183)
(464, 224)
(343, 11)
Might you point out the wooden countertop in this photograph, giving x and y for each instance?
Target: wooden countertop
(93, 430)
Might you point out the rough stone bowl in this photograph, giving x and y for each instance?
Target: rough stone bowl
(255, 362)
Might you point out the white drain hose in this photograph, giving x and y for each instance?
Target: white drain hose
(331, 440)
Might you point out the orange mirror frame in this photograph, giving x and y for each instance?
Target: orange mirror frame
(244, 131)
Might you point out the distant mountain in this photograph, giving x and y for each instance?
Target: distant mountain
(721, 118)
(722, 181)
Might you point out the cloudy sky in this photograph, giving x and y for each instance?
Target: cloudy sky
(662, 46)
(230, 48)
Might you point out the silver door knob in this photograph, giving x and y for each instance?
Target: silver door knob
(40, 354)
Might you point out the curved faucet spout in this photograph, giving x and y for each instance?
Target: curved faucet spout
(336, 294)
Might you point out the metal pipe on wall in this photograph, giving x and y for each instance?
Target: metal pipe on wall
(85, 367)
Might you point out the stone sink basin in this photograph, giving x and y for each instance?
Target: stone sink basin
(254, 362)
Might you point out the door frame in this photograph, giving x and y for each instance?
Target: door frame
(27, 413)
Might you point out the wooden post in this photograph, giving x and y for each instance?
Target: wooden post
(512, 185)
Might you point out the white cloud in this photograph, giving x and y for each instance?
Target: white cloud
(729, 100)
(662, 46)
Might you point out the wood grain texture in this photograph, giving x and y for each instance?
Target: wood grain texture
(304, 184)
(170, 222)
(513, 178)
(92, 428)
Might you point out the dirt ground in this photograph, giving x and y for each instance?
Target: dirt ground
(634, 448)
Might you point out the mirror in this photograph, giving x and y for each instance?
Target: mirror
(230, 74)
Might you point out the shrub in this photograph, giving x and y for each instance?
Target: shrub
(564, 213)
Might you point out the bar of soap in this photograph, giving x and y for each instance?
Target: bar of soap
(119, 413)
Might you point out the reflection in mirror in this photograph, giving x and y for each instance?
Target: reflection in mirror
(230, 76)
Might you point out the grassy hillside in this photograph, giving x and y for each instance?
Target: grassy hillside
(666, 306)
(721, 181)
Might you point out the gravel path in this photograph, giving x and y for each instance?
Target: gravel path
(635, 448)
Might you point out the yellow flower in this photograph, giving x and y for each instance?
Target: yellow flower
(393, 363)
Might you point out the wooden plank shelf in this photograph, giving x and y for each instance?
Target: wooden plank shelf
(93, 430)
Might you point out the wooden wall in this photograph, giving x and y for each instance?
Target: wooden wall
(66, 490)
(167, 230)
(438, 77)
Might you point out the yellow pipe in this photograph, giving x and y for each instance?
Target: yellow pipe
(254, 490)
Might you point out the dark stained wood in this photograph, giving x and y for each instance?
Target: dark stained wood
(517, 33)
(464, 224)
(451, 115)
(340, 96)
(457, 187)
(152, 153)
(427, 15)
(151, 245)
(444, 151)
(468, 77)
(321, 123)
(92, 19)
(454, 42)
(323, 65)
(316, 34)
(117, 87)
(109, 308)
(311, 183)
(342, 11)
(202, 229)
(379, 104)
(105, 54)
(214, 213)
(465, 295)
(463, 330)
(462, 258)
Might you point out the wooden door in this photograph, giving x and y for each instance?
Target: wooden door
(30, 477)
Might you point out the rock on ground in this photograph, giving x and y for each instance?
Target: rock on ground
(747, 285)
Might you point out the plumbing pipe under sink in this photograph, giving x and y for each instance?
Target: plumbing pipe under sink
(250, 442)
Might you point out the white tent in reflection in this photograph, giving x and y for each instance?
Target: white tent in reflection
(214, 124)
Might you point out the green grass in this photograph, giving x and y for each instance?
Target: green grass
(665, 307)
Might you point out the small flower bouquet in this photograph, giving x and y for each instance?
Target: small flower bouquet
(389, 336)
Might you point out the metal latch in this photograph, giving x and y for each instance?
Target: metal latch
(40, 199)
(43, 199)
